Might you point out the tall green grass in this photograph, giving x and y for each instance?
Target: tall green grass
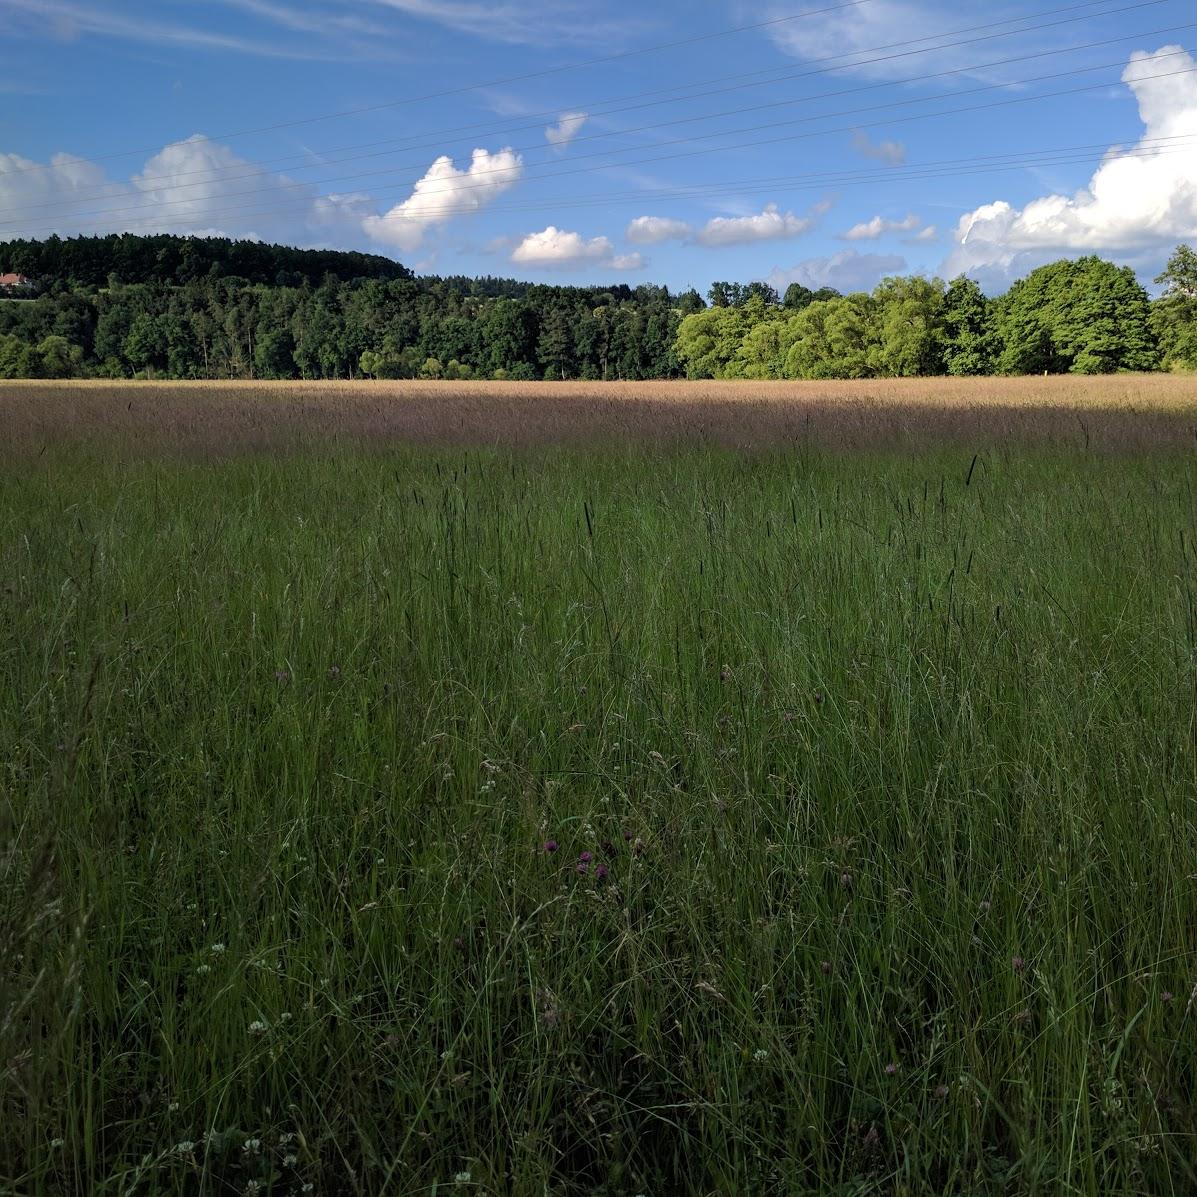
(889, 762)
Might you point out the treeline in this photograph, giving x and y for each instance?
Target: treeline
(1086, 317)
(175, 307)
(76, 262)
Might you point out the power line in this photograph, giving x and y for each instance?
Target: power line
(456, 91)
(101, 214)
(1147, 149)
(780, 75)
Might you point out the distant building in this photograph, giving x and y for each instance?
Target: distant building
(15, 282)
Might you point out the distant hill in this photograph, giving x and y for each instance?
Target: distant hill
(164, 258)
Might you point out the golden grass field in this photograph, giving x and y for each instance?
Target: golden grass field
(1120, 413)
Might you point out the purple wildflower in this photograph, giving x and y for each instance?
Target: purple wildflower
(585, 857)
(1018, 964)
(550, 845)
(583, 866)
(891, 1068)
(601, 872)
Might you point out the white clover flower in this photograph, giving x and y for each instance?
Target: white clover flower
(216, 949)
(203, 970)
(258, 1027)
(55, 1144)
(289, 1161)
(252, 1145)
(462, 1178)
(760, 1055)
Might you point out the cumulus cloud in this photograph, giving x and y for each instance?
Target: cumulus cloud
(847, 271)
(650, 230)
(558, 249)
(870, 230)
(191, 186)
(769, 225)
(568, 126)
(923, 236)
(1138, 201)
(445, 192)
(892, 153)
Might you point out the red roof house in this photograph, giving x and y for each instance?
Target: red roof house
(14, 280)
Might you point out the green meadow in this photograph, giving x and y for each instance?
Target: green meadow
(563, 821)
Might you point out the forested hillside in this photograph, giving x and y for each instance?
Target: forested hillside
(163, 306)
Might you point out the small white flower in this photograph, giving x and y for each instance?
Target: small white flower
(252, 1145)
(55, 1144)
(760, 1055)
(462, 1178)
(252, 1186)
(258, 1027)
(170, 1109)
(203, 970)
(284, 1017)
(186, 1147)
(289, 1161)
(216, 949)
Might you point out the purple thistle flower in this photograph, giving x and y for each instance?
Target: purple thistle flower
(891, 1068)
(550, 845)
(583, 866)
(601, 872)
(627, 835)
(1166, 996)
(1018, 964)
(585, 858)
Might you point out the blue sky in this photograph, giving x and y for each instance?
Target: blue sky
(825, 142)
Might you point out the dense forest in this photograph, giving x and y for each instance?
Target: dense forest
(183, 307)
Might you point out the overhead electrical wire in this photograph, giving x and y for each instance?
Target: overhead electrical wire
(256, 169)
(950, 168)
(457, 91)
(100, 215)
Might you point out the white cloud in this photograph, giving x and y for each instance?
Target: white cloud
(769, 225)
(192, 186)
(558, 249)
(870, 230)
(924, 236)
(445, 192)
(1140, 200)
(847, 271)
(650, 230)
(568, 126)
(892, 153)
